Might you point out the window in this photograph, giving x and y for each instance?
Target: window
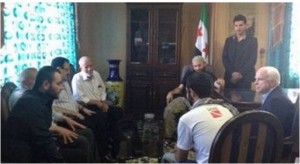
(295, 48)
(34, 34)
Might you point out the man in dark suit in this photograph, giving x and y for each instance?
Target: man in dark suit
(274, 100)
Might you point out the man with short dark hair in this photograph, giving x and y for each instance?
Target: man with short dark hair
(198, 127)
(65, 103)
(30, 123)
(178, 106)
(66, 110)
(239, 56)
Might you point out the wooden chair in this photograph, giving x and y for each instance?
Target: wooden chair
(291, 143)
(6, 91)
(250, 137)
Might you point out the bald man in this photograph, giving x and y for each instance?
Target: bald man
(177, 107)
(27, 80)
(89, 89)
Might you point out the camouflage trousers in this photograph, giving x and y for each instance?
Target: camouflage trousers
(173, 111)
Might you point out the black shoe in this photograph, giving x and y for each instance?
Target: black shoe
(109, 159)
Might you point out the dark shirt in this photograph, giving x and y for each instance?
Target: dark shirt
(281, 106)
(190, 71)
(29, 122)
(240, 57)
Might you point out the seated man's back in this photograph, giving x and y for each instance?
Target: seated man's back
(180, 105)
(198, 127)
(202, 123)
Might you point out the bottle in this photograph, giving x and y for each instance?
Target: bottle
(147, 127)
(150, 136)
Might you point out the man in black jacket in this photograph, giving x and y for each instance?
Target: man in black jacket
(239, 56)
(274, 100)
(29, 124)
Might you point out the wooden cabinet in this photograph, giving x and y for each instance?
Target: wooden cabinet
(152, 56)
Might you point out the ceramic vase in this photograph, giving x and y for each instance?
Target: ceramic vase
(114, 84)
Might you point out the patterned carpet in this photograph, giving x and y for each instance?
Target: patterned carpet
(143, 160)
(147, 153)
(169, 147)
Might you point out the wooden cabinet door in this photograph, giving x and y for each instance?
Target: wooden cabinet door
(139, 98)
(152, 56)
(139, 34)
(160, 92)
(153, 34)
(166, 27)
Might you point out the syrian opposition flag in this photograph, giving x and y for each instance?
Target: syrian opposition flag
(202, 35)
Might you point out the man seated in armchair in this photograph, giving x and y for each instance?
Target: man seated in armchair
(90, 90)
(176, 107)
(198, 127)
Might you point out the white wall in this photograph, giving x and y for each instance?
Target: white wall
(102, 34)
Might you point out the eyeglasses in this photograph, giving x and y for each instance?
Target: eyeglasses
(66, 69)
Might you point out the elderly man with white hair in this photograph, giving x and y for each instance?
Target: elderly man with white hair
(89, 89)
(27, 79)
(274, 100)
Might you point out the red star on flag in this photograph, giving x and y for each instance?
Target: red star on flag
(199, 32)
(202, 33)
(205, 49)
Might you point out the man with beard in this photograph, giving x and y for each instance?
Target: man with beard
(27, 136)
(198, 127)
(176, 107)
(65, 109)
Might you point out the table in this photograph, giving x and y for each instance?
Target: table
(247, 99)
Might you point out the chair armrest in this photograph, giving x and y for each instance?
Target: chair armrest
(289, 140)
